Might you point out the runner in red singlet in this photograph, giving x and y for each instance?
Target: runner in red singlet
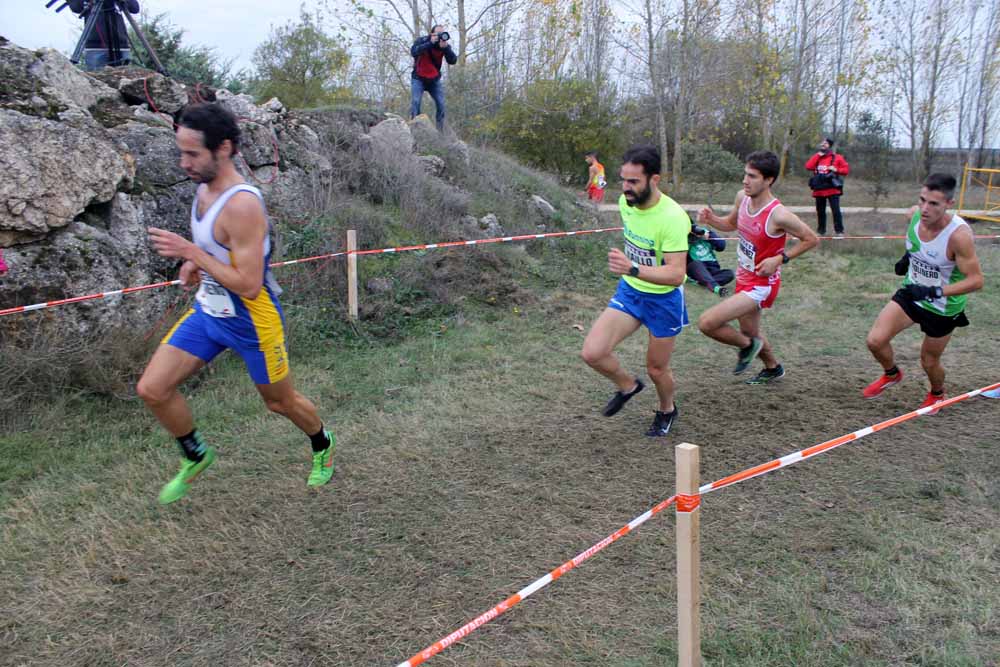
(763, 225)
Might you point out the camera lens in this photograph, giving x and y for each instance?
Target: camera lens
(444, 37)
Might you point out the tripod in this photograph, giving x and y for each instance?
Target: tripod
(96, 9)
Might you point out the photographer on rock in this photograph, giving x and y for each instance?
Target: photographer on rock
(108, 43)
(428, 53)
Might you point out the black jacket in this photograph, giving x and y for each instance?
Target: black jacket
(427, 58)
(110, 25)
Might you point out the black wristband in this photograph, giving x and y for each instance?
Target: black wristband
(785, 259)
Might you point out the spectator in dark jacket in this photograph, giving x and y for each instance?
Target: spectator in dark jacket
(107, 45)
(428, 53)
(827, 184)
(702, 265)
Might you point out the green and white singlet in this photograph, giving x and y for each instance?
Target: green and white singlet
(651, 232)
(930, 266)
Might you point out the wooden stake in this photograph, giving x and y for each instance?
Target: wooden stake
(688, 558)
(352, 275)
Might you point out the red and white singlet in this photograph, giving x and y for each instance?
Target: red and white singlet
(756, 244)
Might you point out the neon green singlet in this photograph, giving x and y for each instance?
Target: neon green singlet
(651, 232)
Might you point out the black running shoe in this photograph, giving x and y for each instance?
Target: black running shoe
(747, 355)
(723, 292)
(662, 423)
(620, 398)
(767, 375)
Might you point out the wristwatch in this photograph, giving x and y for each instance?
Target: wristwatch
(634, 271)
(785, 259)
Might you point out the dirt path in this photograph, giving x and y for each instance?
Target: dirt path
(794, 209)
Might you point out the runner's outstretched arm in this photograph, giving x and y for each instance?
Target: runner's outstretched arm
(707, 216)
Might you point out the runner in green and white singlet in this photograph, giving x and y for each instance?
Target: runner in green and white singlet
(940, 268)
(930, 266)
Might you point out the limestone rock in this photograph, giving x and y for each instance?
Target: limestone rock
(154, 151)
(461, 151)
(491, 225)
(242, 105)
(301, 145)
(159, 92)
(274, 105)
(391, 139)
(545, 208)
(434, 165)
(100, 252)
(57, 170)
(67, 83)
(257, 144)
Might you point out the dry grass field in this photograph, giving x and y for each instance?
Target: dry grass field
(473, 459)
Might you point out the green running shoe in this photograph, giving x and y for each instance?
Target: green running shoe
(744, 359)
(178, 487)
(322, 469)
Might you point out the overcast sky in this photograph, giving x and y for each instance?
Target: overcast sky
(233, 27)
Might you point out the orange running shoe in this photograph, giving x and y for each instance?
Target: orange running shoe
(931, 400)
(876, 388)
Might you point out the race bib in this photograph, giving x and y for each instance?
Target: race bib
(641, 256)
(601, 183)
(746, 255)
(215, 299)
(923, 273)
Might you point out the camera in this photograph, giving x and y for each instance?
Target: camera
(444, 37)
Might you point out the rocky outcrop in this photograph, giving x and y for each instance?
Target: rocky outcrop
(90, 162)
(155, 90)
(54, 173)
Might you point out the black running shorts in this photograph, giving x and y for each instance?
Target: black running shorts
(932, 324)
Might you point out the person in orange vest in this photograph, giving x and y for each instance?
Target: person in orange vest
(596, 182)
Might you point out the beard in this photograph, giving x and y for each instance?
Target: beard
(639, 198)
(206, 175)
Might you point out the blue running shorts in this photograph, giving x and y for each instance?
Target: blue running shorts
(663, 314)
(261, 344)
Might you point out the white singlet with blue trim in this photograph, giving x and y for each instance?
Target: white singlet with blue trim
(214, 299)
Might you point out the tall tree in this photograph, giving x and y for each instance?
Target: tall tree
(921, 48)
(299, 64)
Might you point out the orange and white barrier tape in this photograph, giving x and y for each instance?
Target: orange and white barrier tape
(488, 616)
(685, 503)
(810, 452)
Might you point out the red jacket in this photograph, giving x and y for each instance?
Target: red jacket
(820, 163)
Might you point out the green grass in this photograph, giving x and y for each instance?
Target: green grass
(472, 460)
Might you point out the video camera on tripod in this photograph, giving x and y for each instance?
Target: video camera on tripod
(113, 39)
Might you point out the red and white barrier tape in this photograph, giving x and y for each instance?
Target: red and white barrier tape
(684, 504)
(379, 251)
(428, 246)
